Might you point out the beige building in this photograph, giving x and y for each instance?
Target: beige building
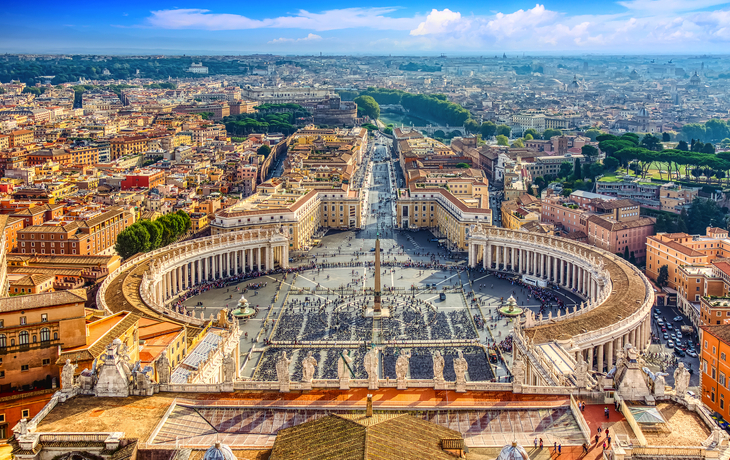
(300, 211)
(449, 208)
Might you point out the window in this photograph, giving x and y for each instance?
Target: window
(44, 317)
(23, 338)
(46, 362)
(713, 373)
(721, 379)
(24, 368)
(722, 356)
(3, 341)
(25, 413)
(45, 334)
(23, 321)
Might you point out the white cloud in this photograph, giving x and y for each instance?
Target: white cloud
(666, 6)
(438, 22)
(373, 18)
(645, 25)
(308, 38)
(540, 28)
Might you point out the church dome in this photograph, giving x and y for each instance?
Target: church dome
(220, 452)
(513, 452)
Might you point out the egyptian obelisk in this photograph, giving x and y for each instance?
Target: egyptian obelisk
(376, 303)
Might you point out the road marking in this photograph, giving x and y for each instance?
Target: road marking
(446, 279)
(479, 279)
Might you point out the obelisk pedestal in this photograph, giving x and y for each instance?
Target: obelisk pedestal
(377, 311)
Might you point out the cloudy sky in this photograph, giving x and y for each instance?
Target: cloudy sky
(407, 27)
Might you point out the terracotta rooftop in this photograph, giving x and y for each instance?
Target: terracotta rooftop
(46, 299)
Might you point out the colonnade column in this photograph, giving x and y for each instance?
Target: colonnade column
(250, 259)
(258, 256)
(600, 358)
(609, 355)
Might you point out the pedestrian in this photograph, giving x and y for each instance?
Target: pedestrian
(540, 443)
(535, 443)
(604, 445)
(560, 448)
(596, 439)
(555, 446)
(599, 430)
(585, 448)
(608, 438)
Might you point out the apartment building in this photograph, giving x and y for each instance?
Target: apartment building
(662, 196)
(678, 249)
(85, 235)
(614, 225)
(150, 178)
(20, 137)
(32, 328)
(714, 368)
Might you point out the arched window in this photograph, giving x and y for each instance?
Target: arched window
(3, 341)
(45, 334)
(55, 336)
(23, 338)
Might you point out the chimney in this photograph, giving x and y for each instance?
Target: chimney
(369, 410)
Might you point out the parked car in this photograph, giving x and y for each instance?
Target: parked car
(660, 322)
(678, 318)
(670, 344)
(666, 336)
(679, 353)
(670, 327)
(442, 296)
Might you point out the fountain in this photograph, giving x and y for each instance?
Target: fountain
(511, 309)
(244, 310)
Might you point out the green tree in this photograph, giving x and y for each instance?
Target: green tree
(462, 165)
(590, 171)
(368, 106)
(663, 278)
(187, 221)
(578, 174)
(472, 126)
(590, 152)
(651, 142)
(549, 133)
(610, 163)
(567, 192)
(565, 169)
(488, 129)
(626, 252)
(154, 229)
(593, 134)
(682, 145)
(518, 143)
(666, 137)
(528, 137)
(531, 132)
(264, 150)
(502, 140)
(503, 130)
(132, 240)
(708, 148)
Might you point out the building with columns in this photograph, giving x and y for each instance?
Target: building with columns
(300, 212)
(615, 312)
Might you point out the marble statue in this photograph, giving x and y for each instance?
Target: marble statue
(371, 367)
(402, 365)
(344, 364)
(438, 366)
(308, 365)
(229, 368)
(681, 380)
(23, 426)
(659, 384)
(163, 368)
(460, 368)
(67, 375)
(282, 369)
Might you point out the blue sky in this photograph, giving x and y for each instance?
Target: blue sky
(381, 27)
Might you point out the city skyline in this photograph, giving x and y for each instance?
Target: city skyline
(559, 27)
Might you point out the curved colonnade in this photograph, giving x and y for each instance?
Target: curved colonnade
(151, 281)
(619, 297)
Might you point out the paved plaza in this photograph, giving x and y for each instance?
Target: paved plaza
(430, 295)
